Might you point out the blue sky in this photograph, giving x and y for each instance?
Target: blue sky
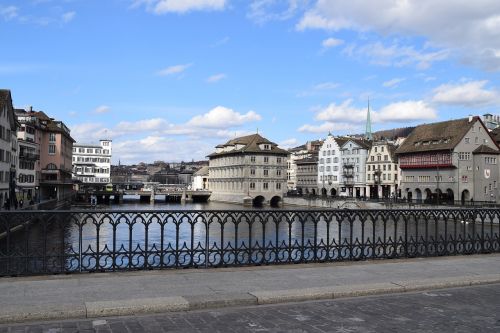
(170, 79)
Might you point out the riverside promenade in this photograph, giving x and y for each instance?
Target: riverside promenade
(79, 296)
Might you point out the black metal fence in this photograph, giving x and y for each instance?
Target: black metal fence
(48, 242)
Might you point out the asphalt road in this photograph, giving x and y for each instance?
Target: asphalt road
(468, 310)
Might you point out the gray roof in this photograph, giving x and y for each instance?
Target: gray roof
(6, 100)
(202, 172)
(250, 145)
(483, 149)
(445, 135)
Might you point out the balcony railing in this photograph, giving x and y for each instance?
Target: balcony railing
(48, 242)
(29, 156)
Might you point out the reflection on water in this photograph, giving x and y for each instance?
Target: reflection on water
(218, 234)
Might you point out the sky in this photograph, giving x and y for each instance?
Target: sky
(170, 79)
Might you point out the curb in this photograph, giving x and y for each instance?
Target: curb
(80, 310)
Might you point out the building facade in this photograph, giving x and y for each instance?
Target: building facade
(307, 176)
(330, 166)
(200, 179)
(56, 149)
(353, 177)
(449, 161)
(249, 170)
(305, 151)
(28, 136)
(8, 150)
(91, 164)
(382, 171)
(491, 121)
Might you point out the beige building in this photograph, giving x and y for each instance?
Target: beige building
(307, 176)
(382, 171)
(249, 170)
(452, 161)
(305, 151)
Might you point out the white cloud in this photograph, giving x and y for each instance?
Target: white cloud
(177, 69)
(154, 148)
(395, 55)
(145, 125)
(152, 139)
(68, 17)
(343, 112)
(468, 94)
(216, 78)
(326, 86)
(9, 12)
(180, 6)
(288, 143)
(345, 116)
(102, 109)
(405, 111)
(262, 11)
(331, 42)
(470, 28)
(222, 117)
(393, 83)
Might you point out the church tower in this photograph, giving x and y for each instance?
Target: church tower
(368, 130)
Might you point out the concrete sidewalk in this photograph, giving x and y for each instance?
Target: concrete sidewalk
(111, 294)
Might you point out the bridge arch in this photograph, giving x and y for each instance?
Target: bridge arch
(275, 201)
(258, 201)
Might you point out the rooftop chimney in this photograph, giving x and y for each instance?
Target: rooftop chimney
(470, 118)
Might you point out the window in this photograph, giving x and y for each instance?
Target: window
(252, 159)
(265, 186)
(52, 137)
(467, 140)
(51, 166)
(464, 179)
(386, 157)
(278, 172)
(266, 159)
(266, 173)
(252, 172)
(52, 149)
(372, 159)
(278, 160)
(278, 186)
(252, 186)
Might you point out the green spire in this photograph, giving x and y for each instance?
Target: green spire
(368, 130)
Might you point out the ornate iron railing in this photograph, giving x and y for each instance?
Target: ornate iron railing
(47, 242)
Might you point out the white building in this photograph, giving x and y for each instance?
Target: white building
(200, 179)
(249, 169)
(353, 177)
(8, 149)
(330, 166)
(92, 163)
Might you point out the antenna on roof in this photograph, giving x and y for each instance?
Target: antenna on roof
(257, 130)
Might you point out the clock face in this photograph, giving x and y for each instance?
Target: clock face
(487, 173)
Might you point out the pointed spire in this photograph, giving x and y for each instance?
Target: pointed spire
(368, 130)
